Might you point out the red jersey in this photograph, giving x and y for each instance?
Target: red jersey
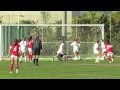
(108, 48)
(30, 44)
(15, 49)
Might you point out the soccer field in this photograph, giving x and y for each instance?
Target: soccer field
(47, 69)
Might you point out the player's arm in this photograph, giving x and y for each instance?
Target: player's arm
(111, 46)
(79, 44)
(72, 44)
(20, 50)
(9, 51)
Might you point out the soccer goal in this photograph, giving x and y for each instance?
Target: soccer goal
(51, 34)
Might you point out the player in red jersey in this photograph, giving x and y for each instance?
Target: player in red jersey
(109, 49)
(30, 46)
(14, 51)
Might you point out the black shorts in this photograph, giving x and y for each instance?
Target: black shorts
(36, 51)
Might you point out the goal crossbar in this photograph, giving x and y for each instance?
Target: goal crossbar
(53, 25)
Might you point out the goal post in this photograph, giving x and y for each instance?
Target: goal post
(51, 34)
(1, 43)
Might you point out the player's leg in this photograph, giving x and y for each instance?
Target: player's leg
(98, 57)
(104, 54)
(25, 56)
(37, 59)
(37, 55)
(109, 57)
(21, 56)
(16, 63)
(34, 56)
(11, 63)
(111, 54)
(58, 55)
(30, 54)
(34, 59)
(75, 55)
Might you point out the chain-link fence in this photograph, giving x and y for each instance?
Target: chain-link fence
(52, 35)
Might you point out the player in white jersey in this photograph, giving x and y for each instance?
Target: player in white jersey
(96, 51)
(76, 49)
(60, 52)
(104, 54)
(23, 47)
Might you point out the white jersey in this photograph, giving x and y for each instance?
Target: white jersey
(103, 47)
(76, 46)
(95, 48)
(23, 45)
(61, 49)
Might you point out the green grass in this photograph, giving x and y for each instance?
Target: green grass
(86, 69)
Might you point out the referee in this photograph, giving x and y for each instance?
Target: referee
(37, 49)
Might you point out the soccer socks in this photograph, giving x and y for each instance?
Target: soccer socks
(17, 66)
(97, 59)
(36, 61)
(109, 59)
(30, 57)
(11, 68)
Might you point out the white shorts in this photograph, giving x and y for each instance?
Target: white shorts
(14, 57)
(76, 50)
(110, 54)
(60, 52)
(23, 49)
(29, 49)
(96, 52)
(103, 50)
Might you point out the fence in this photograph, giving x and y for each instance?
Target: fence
(52, 34)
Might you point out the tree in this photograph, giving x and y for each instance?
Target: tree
(115, 31)
(58, 31)
(45, 16)
(27, 22)
(1, 19)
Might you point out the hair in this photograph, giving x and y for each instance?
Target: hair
(15, 40)
(24, 38)
(75, 39)
(102, 40)
(15, 43)
(97, 41)
(30, 38)
(107, 41)
(37, 37)
(19, 40)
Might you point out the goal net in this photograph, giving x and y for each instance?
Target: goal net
(51, 34)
